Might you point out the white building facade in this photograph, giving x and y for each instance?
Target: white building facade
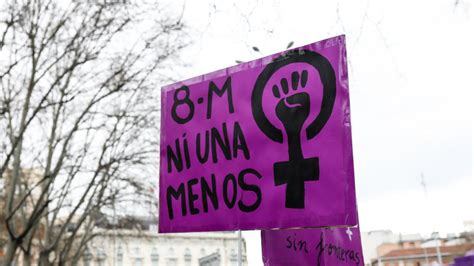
(138, 248)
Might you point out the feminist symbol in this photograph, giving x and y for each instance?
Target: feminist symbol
(292, 110)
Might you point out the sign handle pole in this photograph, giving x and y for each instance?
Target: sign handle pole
(438, 253)
(239, 255)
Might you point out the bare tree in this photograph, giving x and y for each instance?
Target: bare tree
(78, 117)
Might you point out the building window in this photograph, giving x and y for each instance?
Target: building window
(233, 254)
(87, 257)
(187, 256)
(137, 260)
(172, 260)
(101, 256)
(119, 256)
(154, 256)
(234, 260)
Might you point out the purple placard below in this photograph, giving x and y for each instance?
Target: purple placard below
(464, 261)
(319, 247)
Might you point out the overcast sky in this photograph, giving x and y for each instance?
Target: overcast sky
(411, 90)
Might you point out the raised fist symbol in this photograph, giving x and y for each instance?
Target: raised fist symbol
(293, 110)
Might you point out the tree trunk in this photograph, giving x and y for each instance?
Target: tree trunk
(44, 259)
(10, 253)
(26, 259)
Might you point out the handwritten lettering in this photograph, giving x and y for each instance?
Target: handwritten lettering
(335, 250)
(215, 141)
(233, 188)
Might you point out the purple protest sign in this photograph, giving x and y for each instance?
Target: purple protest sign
(319, 247)
(264, 144)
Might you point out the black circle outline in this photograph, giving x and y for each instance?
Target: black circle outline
(328, 78)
